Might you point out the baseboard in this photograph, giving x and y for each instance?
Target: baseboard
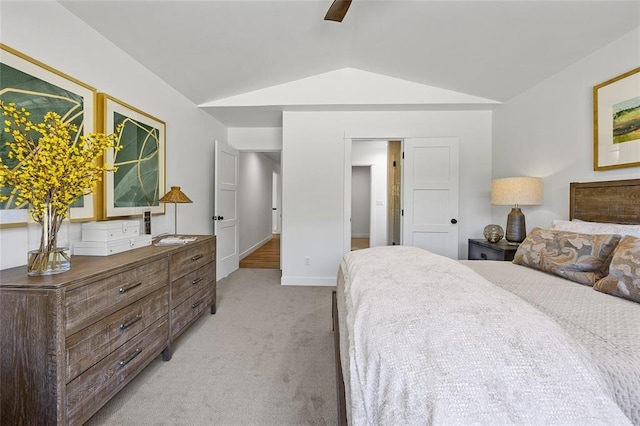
(359, 235)
(255, 247)
(309, 281)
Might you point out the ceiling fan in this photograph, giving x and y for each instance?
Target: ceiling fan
(337, 10)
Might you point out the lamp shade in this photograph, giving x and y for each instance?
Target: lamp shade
(175, 196)
(526, 191)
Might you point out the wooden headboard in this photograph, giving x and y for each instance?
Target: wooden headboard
(614, 201)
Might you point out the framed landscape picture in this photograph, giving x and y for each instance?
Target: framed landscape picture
(38, 88)
(616, 122)
(139, 181)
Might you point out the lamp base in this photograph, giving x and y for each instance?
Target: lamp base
(516, 229)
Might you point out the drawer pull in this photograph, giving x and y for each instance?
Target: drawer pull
(196, 281)
(129, 323)
(130, 358)
(198, 303)
(196, 257)
(130, 287)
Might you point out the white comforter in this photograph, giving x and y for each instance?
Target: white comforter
(431, 342)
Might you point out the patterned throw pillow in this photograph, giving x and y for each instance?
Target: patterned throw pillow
(583, 258)
(624, 272)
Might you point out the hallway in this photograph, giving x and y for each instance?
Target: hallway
(266, 256)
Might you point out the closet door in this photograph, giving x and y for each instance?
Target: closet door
(430, 191)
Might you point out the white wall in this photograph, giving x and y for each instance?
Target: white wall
(256, 138)
(67, 44)
(375, 153)
(313, 166)
(360, 201)
(255, 177)
(547, 131)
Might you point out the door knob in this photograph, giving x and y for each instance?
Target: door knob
(454, 221)
(218, 218)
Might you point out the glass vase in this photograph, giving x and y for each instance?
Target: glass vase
(48, 243)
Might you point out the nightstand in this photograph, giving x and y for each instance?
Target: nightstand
(482, 249)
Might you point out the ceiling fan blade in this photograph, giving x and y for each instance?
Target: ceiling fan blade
(337, 10)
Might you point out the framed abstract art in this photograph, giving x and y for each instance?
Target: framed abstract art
(139, 179)
(38, 88)
(616, 122)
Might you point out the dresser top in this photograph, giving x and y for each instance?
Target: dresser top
(86, 268)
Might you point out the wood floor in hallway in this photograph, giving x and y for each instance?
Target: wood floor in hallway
(266, 256)
(359, 243)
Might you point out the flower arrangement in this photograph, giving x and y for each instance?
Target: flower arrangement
(49, 167)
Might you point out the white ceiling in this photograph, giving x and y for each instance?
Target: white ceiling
(210, 50)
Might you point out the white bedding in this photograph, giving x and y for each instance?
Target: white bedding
(608, 327)
(425, 340)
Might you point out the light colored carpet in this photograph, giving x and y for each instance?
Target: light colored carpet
(265, 358)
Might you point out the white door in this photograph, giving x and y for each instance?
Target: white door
(430, 192)
(226, 209)
(275, 213)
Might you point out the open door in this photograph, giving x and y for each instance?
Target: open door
(226, 209)
(430, 187)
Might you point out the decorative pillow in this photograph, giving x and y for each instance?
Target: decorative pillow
(624, 271)
(582, 258)
(596, 227)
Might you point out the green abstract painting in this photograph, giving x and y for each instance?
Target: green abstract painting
(136, 182)
(38, 97)
(40, 89)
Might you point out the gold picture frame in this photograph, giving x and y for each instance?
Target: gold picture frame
(40, 88)
(139, 181)
(616, 122)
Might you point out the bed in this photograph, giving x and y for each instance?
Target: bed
(422, 339)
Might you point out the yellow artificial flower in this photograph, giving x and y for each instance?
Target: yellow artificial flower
(48, 166)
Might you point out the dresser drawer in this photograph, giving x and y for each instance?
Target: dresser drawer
(185, 312)
(84, 305)
(91, 389)
(91, 344)
(193, 257)
(484, 250)
(191, 283)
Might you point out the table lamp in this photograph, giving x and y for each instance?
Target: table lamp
(516, 191)
(175, 196)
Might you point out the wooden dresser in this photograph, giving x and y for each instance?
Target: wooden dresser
(70, 342)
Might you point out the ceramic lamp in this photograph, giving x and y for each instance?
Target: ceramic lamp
(516, 191)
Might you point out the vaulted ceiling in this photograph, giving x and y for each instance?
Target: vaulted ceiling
(210, 50)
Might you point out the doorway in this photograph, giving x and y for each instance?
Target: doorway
(367, 194)
(259, 208)
(394, 193)
(427, 192)
(361, 209)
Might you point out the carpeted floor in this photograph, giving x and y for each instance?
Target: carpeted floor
(265, 358)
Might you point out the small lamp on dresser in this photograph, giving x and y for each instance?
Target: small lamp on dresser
(516, 191)
(175, 196)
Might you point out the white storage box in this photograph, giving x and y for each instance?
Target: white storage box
(106, 248)
(110, 230)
